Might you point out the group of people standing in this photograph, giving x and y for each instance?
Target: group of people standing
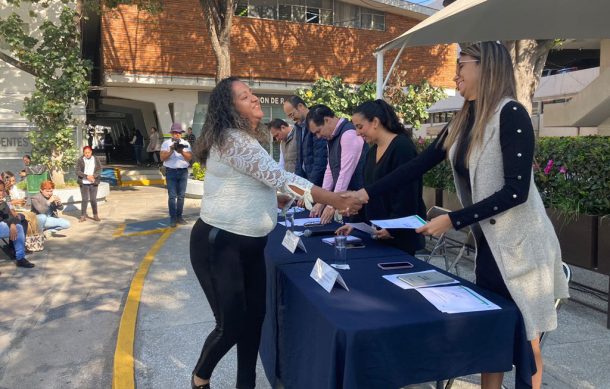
(369, 167)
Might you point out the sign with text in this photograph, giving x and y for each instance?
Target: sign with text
(326, 276)
(14, 142)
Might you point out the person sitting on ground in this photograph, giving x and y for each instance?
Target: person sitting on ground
(45, 205)
(10, 227)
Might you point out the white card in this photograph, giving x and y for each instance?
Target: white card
(291, 241)
(326, 276)
(363, 227)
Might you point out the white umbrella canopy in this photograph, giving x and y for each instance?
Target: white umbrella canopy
(490, 20)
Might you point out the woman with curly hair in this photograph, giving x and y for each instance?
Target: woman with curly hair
(238, 210)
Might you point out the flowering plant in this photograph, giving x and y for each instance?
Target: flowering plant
(576, 174)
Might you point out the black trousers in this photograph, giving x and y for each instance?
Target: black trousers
(231, 271)
(88, 192)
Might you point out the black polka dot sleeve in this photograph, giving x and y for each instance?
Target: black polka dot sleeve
(517, 141)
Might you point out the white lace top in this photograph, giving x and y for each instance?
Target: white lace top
(240, 186)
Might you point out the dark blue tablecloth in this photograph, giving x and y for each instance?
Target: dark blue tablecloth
(276, 255)
(376, 335)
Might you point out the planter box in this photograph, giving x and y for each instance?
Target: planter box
(578, 238)
(603, 245)
(432, 196)
(451, 201)
(194, 189)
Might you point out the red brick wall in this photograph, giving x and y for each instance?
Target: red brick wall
(175, 42)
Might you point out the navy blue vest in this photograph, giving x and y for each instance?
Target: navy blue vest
(334, 158)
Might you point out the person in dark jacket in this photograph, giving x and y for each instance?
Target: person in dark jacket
(391, 146)
(138, 144)
(88, 170)
(312, 154)
(10, 227)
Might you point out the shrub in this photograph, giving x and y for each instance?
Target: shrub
(198, 171)
(573, 174)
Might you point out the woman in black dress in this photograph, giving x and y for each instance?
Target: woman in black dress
(490, 144)
(391, 146)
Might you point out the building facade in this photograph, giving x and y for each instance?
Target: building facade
(158, 69)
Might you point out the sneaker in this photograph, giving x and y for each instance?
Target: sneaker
(24, 263)
(173, 223)
(96, 218)
(182, 221)
(83, 218)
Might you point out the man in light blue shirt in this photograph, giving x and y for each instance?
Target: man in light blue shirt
(176, 154)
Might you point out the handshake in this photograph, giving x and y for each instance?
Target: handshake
(346, 203)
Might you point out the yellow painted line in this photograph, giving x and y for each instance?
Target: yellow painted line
(149, 232)
(123, 375)
(142, 182)
(119, 231)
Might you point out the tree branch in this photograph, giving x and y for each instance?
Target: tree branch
(18, 64)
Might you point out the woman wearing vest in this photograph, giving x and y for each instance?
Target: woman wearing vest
(238, 210)
(391, 146)
(490, 145)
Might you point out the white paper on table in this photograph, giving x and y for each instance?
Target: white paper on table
(411, 222)
(326, 276)
(349, 239)
(291, 210)
(456, 299)
(367, 229)
(393, 278)
(301, 222)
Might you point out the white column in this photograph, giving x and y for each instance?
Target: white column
(379, 82)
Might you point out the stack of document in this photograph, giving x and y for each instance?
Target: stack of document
(456, 299)
(420, 279)
(302, 222)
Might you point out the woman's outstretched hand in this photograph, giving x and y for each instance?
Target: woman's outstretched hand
(436, 227)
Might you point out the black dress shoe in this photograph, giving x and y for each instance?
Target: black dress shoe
(24, 263)
(193, 386)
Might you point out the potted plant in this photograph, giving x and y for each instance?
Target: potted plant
(573, 176)
(194, 185)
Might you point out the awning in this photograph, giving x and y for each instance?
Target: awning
(489, 20)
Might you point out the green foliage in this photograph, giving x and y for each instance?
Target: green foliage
(198, 171)
(412, 101)
(573, 174)
(409, 102)
(342, 98)
(441, 176)
(61, 81)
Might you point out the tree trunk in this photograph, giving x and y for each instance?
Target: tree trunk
(57, 174)
(218, 17)
(529, 57)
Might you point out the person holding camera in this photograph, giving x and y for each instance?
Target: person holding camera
(176, 154)
(45, 205)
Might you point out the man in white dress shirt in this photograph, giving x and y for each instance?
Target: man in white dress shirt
(176, 154)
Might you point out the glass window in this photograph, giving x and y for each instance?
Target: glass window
(264, 9)
(313, 15)
(299, 14)
(241, 8)
(366, 20)
(326, 16)
(285, 12)
(199, 118)
(379, 22)
(346, 15)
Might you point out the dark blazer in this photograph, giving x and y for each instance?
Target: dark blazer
(311, 153)
(80, 170)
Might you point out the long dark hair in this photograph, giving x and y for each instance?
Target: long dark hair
(222, 116)
(385, 113)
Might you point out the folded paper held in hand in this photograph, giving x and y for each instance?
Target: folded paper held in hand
(411, 222)
(326, 276)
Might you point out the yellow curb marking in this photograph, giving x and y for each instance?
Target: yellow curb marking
(119, 230)
(123, 371)
(142, 182)
(150, 232)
